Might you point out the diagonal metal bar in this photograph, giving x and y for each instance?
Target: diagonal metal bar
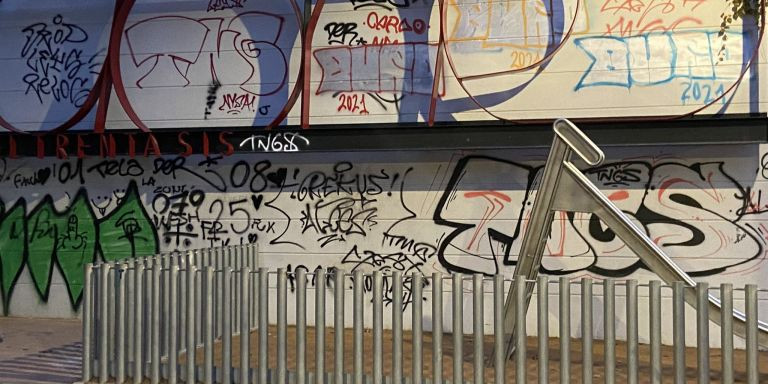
(564, 187)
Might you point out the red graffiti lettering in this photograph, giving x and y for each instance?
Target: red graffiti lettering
(394, 24)
(233, 103)
(352, 103)
(403, 68)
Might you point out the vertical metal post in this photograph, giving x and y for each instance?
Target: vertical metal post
(120, 314)
(167, 262)
(173, 324)
(252, 303)
(129, 267)
(301, 325)
(726, 331)
(586, 329)
(198, 294)
(138, 359)
(191, 310)
(750, 298)
(226, 324)
(437, 328)
(417, 319)
(282, 318)
(111, 319)
(520, 331)
(358, 326)
(378, 320)
(458, 327)
(702, 331)
(632, 332)
(254, 298)
(87, 322)
(654, 292)
(101, 296)
(320, 326)
(498, 329)
(678, 330)
(477, 324)
(397, 327)
(208, 326)
(235, 283)
(542, 315)
(157, 269)
(338, 324)
(245, 324)
(609, 329)
(131, 303)
(263, 324)
(104, 296)
(218, 292)
(147, 336)
(564, 288)
(213, 254)
(183, 266)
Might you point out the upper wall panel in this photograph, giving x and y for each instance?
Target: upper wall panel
(154, 64)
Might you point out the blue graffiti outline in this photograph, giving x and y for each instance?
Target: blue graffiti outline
(593, 58)
(675, 73)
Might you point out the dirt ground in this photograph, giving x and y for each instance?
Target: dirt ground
(21, 336)
(488, 373)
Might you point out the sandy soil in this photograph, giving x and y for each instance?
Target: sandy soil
(488, 373)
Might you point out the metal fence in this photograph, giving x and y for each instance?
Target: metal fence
(188, 317)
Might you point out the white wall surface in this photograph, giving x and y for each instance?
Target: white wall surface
(411, 211)
(235, 63)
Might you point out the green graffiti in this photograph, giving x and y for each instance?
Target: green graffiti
(127, 231)
(13, 247)
(41, 225)
(76, 243)
(69, 240)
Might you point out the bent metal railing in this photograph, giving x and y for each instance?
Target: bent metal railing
(198, 317)
(565, 188)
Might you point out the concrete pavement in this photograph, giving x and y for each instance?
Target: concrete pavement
(39, 350)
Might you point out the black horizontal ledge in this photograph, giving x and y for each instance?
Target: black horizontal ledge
(536, 136)
(479, 135)
(413, 136)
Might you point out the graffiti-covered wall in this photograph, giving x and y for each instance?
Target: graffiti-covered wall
(407, 211)
(109, 69)
(204, 63)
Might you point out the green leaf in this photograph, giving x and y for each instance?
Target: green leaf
(13, 247)
(76, 243)
(41, 225)
(127, 232)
